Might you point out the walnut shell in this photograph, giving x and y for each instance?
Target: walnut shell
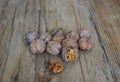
(85, 33)
(69, 42)
(53, 47)
(84, 44)
(56, 67)
(56, 31)
(46, 37)
(37, 46)
(30, 36)
(73, 35)
(69, 56)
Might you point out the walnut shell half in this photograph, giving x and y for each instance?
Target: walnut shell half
(37, 46)
(70, 54)
(56, 31)
(53, 47)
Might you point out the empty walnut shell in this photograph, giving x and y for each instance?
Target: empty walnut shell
(56, 31)
(53, 47)
(69, 42)
(73, 35)
(84, 44)
(70, 54)
(85, 33)
(46, 37)
(37, 46)
(56, 67)
(30, 36)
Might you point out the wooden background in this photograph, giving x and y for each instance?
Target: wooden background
(101, 64)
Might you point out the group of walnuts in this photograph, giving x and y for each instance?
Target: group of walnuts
(57, 43)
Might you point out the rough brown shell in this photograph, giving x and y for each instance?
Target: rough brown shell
(30, 36)
(69, 42)
(56, 31)
(85, 33)
(58, 37)
(46, 37)
(84, 44)
(73, 35)
(37, 46)
(53, 47)
(64, 54)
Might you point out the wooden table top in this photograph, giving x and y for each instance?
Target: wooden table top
(101, 64)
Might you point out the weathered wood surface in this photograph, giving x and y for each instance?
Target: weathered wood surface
(101, 64)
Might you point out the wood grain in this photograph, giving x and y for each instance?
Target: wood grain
(102, 17)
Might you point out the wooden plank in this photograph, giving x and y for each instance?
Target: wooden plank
(107, 20)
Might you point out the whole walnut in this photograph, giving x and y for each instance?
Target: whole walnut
(84, 44)
(58, 35)
(85, 33)
(46, 37)
(70, 50)
(53, 47)
(57, 31)
(73, 35)
(69, 42)
(37, 46)
(30, 36)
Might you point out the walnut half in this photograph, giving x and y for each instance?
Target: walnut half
(56, 67)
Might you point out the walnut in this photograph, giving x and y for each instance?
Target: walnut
(37, 46)
(84, 44)
(58, 35)
(73, 35)
(53, 47)
(70, 50)
(56, 67)
(85, 33)
(46, 37)
(69, 42)
(30, 36)
(56, 31)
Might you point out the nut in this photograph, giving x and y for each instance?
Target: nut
(85, 33)
(73, 35)
(46, 37)
(84, 44)
(37, 46)
(30, 36)
(58, 37)
(69, 42)
(70, 50)
(53, 47)
(70, 54)
(56, 67)
(56, 31)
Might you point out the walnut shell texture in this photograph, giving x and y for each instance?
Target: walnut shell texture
(85, 33)
(30, 36)
(56, 31)
(84, 44)
(46, 37)
(53, 47)
(37, 46)
(58, 37)
(73, 35)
